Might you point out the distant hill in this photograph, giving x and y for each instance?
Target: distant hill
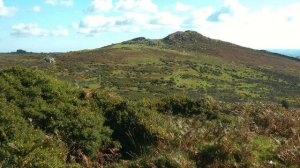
(182, 62)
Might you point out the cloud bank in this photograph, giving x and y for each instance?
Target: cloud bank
(233, 22)
(131, 15)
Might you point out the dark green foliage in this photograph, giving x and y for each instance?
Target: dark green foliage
(285, 104)
(182, 105)
(52, 108)
(210, 154)
(23, 146)
(127, 122)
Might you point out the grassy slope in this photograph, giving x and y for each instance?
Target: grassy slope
(45, 122)
(182, 62)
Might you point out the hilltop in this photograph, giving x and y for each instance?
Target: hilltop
(192, 41)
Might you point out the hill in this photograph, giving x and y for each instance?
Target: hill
(182, 101)
(183, 62)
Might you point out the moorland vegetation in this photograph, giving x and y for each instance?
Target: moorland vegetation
(182, 101)
(45, 122)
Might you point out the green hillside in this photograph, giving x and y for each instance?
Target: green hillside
(183, 62)
(45, 122)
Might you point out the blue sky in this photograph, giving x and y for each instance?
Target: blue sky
(65, 25)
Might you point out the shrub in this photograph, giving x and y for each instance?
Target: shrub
(54, 108)
(126, 121)
(23, 146)
(182, 105)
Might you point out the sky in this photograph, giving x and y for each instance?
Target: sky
(69, 25)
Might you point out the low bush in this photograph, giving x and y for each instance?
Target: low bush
(182, 105)
(53, 108)
(135, 127)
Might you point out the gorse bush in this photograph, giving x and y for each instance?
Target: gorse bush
(23, 146)
(182, 105)
(135, 127)
(123, 119)
(52, 108)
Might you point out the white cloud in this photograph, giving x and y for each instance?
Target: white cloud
(264, 28)
(6, 11)
(181, 7)
(98, 6)
(36, 9)
(94, 25)
(201, 15)
(22, 30)
(130, 15)
(101, 5)
(66, 3)
(136, 5)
